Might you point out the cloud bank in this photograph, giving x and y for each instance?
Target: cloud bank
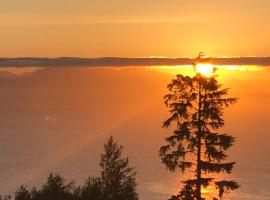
(122, 62)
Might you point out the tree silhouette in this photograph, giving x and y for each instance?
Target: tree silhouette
(54, 189)
(22, 194)
(117, 177)
(196, 105)
(117, 181)
(92, 189)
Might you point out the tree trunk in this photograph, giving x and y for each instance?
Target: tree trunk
(198, 184)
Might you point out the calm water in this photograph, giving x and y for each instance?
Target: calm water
(57, 120)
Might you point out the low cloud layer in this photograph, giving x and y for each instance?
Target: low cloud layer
(122, 62)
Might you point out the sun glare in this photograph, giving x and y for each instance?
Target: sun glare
(204, 69)
(209, 192)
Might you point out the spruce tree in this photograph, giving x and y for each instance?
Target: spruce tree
(196, 105)
(117, 177)
(92, 189)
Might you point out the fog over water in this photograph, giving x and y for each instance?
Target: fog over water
(57, 119)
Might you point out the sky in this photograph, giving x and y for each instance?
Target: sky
(134, 28)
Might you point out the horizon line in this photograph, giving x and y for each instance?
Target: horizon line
(126, 61)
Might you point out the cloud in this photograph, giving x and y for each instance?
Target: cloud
(124, 62)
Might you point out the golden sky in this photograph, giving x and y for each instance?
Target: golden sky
(173, 28)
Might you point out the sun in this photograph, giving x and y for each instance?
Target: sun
(205, 69)
(209, 191)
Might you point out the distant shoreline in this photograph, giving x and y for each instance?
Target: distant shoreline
(124, 62)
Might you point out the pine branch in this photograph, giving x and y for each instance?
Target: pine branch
(172, 159)
(213, 154)
(203, 181)
(223, 141)
(210, 167)
(226, 185)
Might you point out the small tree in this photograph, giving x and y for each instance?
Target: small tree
(117, 177)
(55, 188)
(196, 105)
(22, 194)
(92, 189)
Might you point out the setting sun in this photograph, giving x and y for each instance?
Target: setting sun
(205, 69)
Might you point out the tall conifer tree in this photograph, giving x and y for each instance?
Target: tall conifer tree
(118, 178)
(196, 105)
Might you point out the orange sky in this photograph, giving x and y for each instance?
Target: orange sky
(94, 28)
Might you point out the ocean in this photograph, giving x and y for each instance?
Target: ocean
(57, 120)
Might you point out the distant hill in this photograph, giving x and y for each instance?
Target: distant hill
(5, 75)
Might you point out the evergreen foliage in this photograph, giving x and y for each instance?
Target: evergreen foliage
(117, 181)
(117, 177)
(92, 189)
(54, 189)
(196, 106)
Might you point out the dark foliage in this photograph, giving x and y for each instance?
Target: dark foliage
(117, 177)
(92, 189)
(23, 194)
(117, 182)
(54, 189)
(196, 105)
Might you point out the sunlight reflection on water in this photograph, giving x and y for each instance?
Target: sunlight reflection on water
(37, 141)
(221, 69)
